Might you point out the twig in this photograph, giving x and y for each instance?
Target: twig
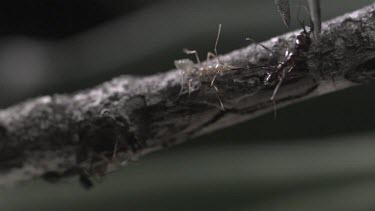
(131, 116)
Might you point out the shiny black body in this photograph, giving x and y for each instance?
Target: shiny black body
(292, 58)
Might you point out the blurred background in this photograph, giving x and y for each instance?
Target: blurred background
(317, 155)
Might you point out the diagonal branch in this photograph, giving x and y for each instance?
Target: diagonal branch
(90, 131)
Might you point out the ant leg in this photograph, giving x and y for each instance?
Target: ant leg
(187, 51)
(84, 179)
(276, 89)
(280, 82)
(272, 53)
(182, 82)
(218, 97)
(216, 43)
(190, 89)
(210, 56)
(215, 54)
(115, 150)
(214, 78)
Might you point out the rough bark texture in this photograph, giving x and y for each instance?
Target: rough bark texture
(88, 131)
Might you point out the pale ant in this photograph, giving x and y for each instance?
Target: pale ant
(187, 67)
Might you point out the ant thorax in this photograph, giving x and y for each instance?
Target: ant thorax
(189, 70)
(215, 69)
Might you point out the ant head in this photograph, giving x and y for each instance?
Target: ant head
(307, 29)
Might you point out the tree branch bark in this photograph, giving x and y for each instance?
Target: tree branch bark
(88, 131)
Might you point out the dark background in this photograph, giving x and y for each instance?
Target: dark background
(317, 155)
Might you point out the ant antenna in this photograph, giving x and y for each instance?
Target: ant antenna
(298, 16)
(216, 55)
(263, 46)
(299, 11)
(114, 155)
(218, 71)
(216, 43)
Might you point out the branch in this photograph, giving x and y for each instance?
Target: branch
(89, 132)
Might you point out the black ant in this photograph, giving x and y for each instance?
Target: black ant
(291, 61)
